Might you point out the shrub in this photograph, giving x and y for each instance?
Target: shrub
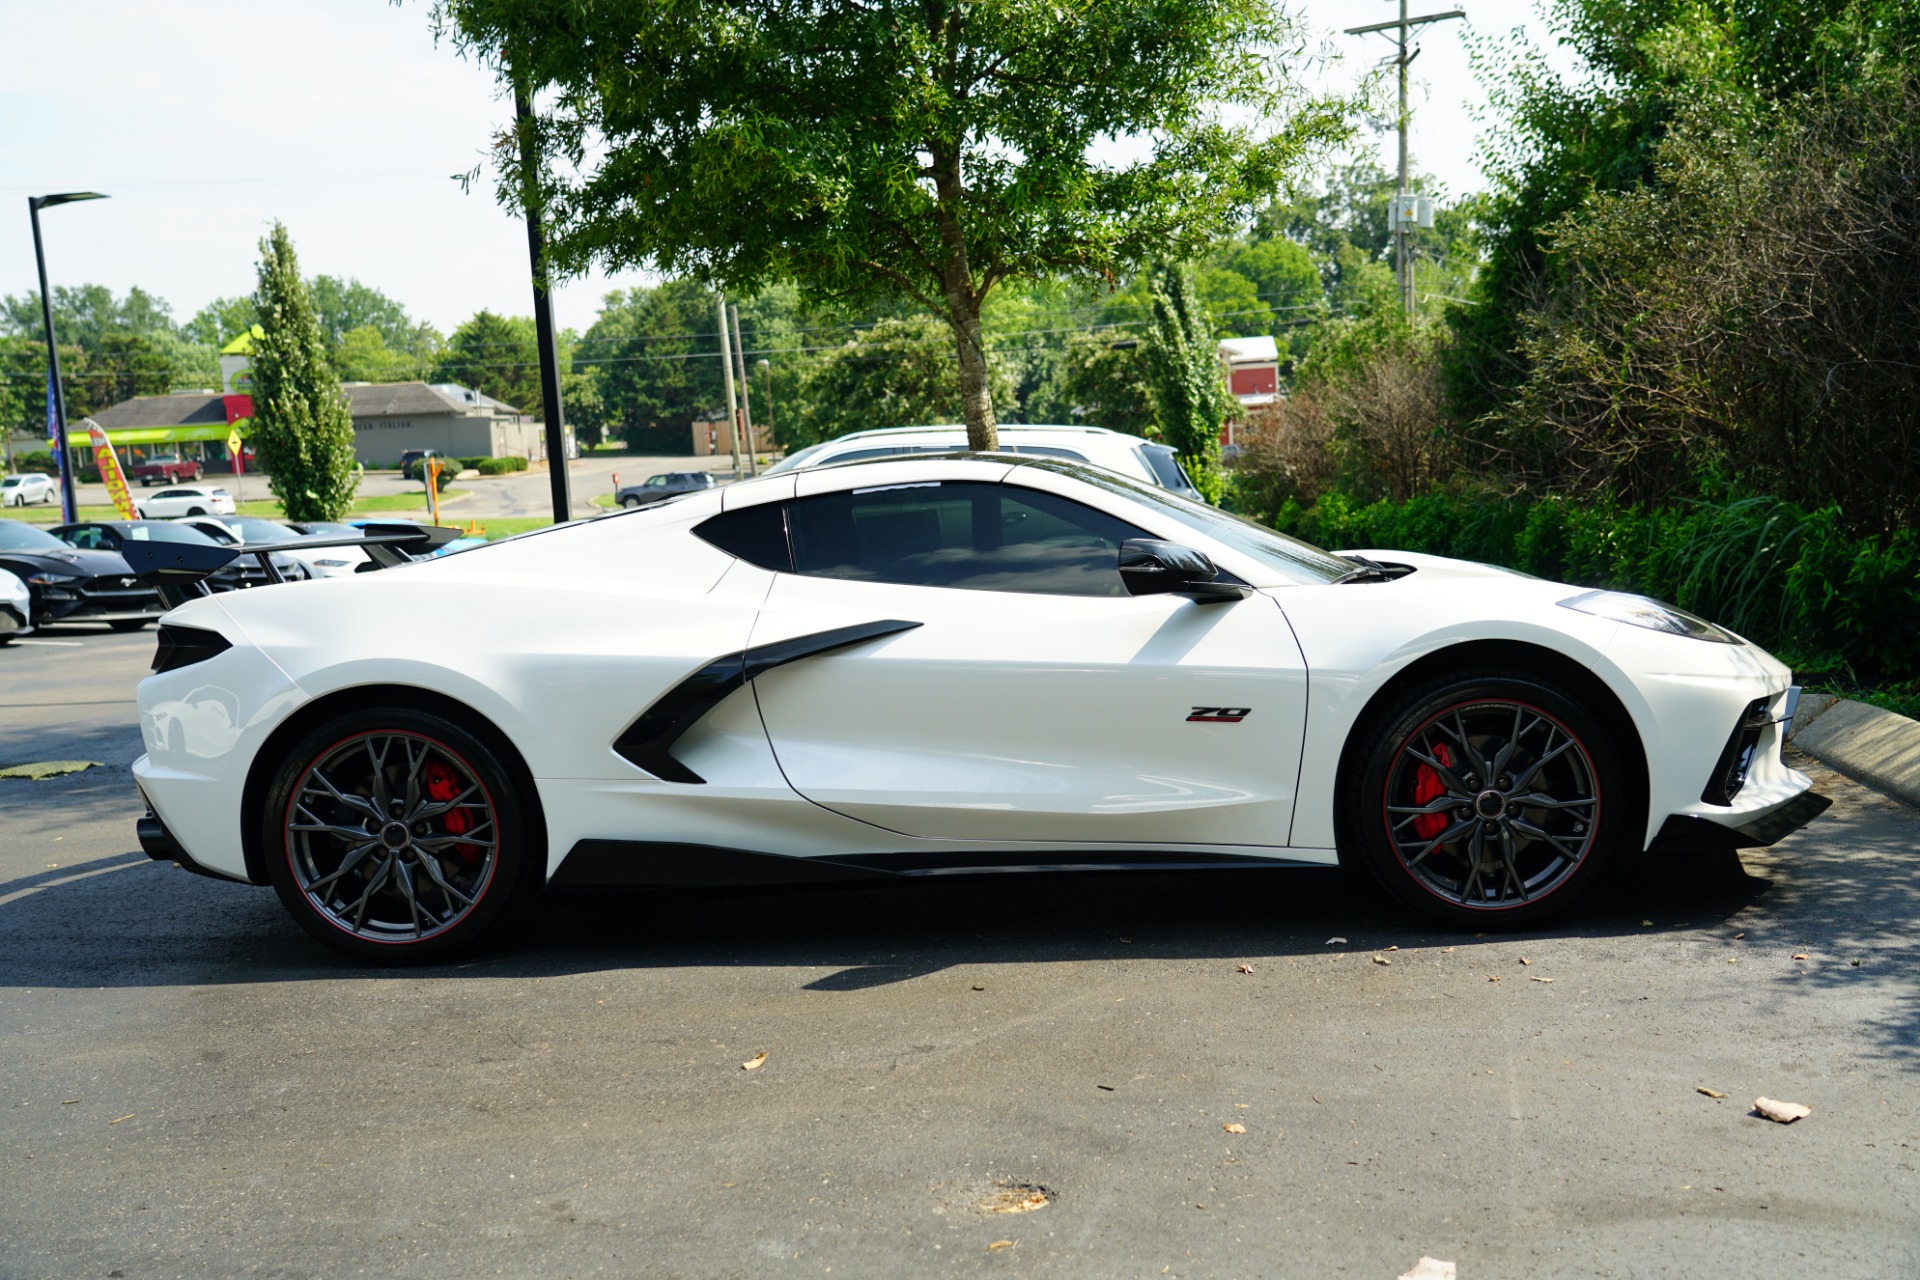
(1795, 581)
(42, 462)
(500, 466)
(474, 464)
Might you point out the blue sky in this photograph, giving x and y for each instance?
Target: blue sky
(206, 119)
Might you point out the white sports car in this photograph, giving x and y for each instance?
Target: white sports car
(928, 667)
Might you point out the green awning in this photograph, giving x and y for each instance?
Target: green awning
(154, 435)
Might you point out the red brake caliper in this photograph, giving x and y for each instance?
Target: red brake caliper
(1426, 787)
(443, 785)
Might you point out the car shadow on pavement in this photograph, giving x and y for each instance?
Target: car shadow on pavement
(1846, 889)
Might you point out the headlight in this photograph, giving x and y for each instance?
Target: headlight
(1639, 611)
(54, 579)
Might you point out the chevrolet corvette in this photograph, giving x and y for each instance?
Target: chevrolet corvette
(927, 667)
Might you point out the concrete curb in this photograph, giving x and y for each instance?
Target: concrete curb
(1867, 744)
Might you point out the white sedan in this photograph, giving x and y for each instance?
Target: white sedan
(930, 667)
(184, 500)
(30, 486)
(16, 608)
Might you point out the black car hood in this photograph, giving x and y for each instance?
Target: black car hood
(89, 564)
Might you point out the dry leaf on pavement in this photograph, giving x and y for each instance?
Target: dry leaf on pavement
(998, 1245)
(1246, 968)
(1234, 1127)
(1430, 1269)
(1334, 939)
(1381, 960)
(753, 1063)
(1711, 1093)
(1799, 955)
(1524, 960)
(1543, 979)
(1781, 1112)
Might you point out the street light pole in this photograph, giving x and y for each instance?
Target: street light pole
(56, 390)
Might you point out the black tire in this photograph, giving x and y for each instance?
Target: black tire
(457, 893)
(196, 511)
(146, 484)
(630, 503)
(129, 624)
(1505, 851)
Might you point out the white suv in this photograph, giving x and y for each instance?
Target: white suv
(18, 491)
(184, 500)
(1131, 456)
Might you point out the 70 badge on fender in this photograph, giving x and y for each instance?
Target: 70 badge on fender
(1219, 715)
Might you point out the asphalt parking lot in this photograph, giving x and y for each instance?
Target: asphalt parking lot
(192, 1088)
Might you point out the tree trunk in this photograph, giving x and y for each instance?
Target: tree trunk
(963, 306)
(976, 397)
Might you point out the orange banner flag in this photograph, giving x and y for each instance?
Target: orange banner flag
(109, 464)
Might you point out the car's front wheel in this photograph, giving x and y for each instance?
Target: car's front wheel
(630, 503)
(398, 836)
(1488, 800)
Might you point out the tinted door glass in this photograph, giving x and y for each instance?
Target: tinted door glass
(968, 535)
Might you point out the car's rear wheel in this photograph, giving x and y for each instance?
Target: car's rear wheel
(196, 511)
(630, 503)
(397, 836)
(1488, 800)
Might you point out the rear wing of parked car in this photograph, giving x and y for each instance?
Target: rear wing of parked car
(178, 570)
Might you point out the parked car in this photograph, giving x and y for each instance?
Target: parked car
(946, 665)
(166, 468)
(18, 491)
(113, 535)
(1126, 455)
(16, 608)
(240, 531)
(413, 463)
(67, 584)
(184, 500)
(654, 488)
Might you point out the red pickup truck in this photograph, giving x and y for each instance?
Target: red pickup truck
(166, 468)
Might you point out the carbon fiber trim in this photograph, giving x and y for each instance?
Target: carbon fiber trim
(649, 740)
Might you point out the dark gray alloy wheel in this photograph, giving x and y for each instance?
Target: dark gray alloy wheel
(397, 836)
(1489, 800)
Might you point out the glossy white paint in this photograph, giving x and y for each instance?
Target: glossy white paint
(16, 606)
(1006, 722)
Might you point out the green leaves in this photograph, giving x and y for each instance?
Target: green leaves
(888, 150)
(302, 431)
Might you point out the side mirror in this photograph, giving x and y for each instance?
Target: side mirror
(1151, 567)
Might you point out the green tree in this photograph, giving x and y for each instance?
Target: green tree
(341, 306)
(930, 151)
(1101, 381)
(302, 429)
(363, 355)
(1188, 386)
(221, 321)
(498, 356)
(897, 372)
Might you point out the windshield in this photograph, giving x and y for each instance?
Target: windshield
(165, 531)
(254, 529)
(15, 536)
(793, 460)
(1298, 560)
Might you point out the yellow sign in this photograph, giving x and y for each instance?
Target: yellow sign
(109, 464)
(233, 442)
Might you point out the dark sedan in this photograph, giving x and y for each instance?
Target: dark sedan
(665, 485)
(112, 535)
(71, 585)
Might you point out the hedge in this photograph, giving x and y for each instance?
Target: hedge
(499, 466)
(1791, 579)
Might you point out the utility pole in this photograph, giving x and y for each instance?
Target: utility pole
(726, 376)
(746, 383)
(543, 313)
(1406, 209)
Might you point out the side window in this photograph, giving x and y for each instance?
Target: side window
(861, 455)
(757, 535)
(1049, 451)
(86, 539)
(967, 535)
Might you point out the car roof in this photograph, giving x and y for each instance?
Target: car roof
(1005, 428)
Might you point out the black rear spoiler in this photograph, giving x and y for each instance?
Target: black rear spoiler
(178, 570)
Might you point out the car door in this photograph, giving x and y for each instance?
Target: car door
(1035, 700)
